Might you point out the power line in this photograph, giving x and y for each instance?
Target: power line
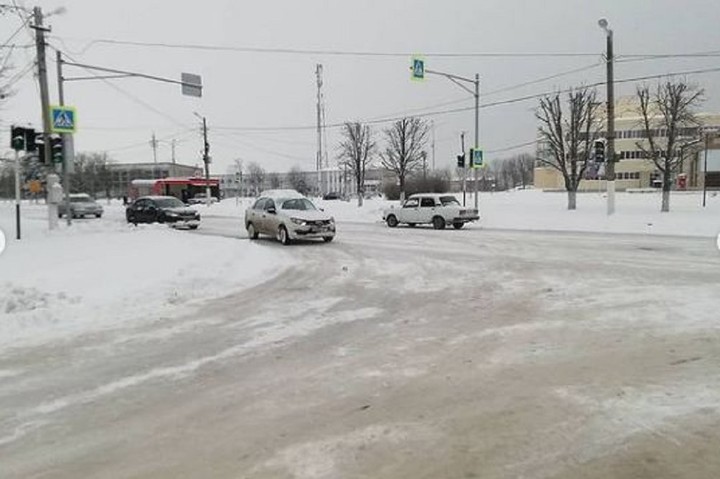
(306, 51)
(482, 106)
(512, 147)
(543, 79)
(177, 135)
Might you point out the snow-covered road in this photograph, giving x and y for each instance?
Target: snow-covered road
(396, 354)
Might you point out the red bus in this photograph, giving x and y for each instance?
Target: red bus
(181, 188)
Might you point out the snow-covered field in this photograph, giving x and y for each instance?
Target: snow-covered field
(103, 273)
(636, 213)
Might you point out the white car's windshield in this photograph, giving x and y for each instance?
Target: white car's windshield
(81, 199)
(299, 204)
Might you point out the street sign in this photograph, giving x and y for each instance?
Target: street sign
(477, 158)
(191, 84)
(418, 69)
(63, 119)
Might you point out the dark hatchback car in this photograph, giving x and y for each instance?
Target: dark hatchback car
(162, 209)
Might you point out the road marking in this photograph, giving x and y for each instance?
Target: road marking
(718, 241)
(2, 241)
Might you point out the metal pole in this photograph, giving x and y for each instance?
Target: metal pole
(206, 159)
(610, 138)
(433, 144)
(17, 194)
(464, 171)
(705, 171)
(43, 81)
(65, 172)
(477, 133)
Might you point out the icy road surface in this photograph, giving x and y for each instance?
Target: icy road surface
(397, 354)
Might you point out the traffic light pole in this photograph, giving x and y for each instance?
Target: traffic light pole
(456, 79)
(464, 170)
(477, 134)
(17, 195)
(206, 159)
(65, 139)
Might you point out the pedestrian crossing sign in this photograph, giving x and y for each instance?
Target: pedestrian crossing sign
(63, 119)
(418, 69)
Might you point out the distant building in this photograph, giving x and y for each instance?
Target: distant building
(632, 170)
(122, 174)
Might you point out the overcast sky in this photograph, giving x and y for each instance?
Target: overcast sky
(278, 90)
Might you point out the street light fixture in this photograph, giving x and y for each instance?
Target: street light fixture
(610, 135)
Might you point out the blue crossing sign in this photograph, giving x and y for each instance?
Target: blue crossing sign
(63, 119)
(418, 69)
(477, 160)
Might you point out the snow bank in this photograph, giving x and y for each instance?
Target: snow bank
(104, 273)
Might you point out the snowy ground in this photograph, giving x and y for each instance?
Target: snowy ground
(637, 213)
(101, 273)
(390, 353)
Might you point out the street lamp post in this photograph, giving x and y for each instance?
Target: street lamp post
(610, 136)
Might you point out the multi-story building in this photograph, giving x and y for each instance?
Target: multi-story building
(122, 174)
(633, 169)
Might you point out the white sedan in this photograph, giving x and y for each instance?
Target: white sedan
(436, 209)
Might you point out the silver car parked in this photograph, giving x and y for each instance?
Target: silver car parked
(288, 219)
(81, 205)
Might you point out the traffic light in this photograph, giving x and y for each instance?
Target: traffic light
(56, 152)
(599, 151)
(461, 161)
(30, 145)
(40, 147)
(17, 138)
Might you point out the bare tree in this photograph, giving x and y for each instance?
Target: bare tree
(525, 167)
(256, 177)
(297, 180)
(405, 151)
(567, 135)
(356, 153)
(274, 180)
(668, 123)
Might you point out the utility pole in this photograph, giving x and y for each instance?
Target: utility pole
(172, 146)
(40, 31)
(610, 137)
(318, 75)
(432, 123)
(206, 160)
(154, 145)
(464, 171)
(477, 134)
(66, 139)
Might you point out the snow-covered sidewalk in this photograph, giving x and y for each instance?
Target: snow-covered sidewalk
(106, 274)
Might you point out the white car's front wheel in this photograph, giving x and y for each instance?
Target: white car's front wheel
(392, 221)
(252, 234)
(283, 236)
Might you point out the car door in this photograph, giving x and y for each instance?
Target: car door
(270, 218)
(427, 209)
(409, 212)
(254, 214)
(136, 211)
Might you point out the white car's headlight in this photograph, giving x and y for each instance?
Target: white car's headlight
(171, 214)
(297, 221)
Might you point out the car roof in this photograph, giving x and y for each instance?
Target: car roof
(431, 195)
(79, 195)
(285, 194)
(155, 197)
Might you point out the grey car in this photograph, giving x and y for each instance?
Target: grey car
(81, 205)
(288, 219)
